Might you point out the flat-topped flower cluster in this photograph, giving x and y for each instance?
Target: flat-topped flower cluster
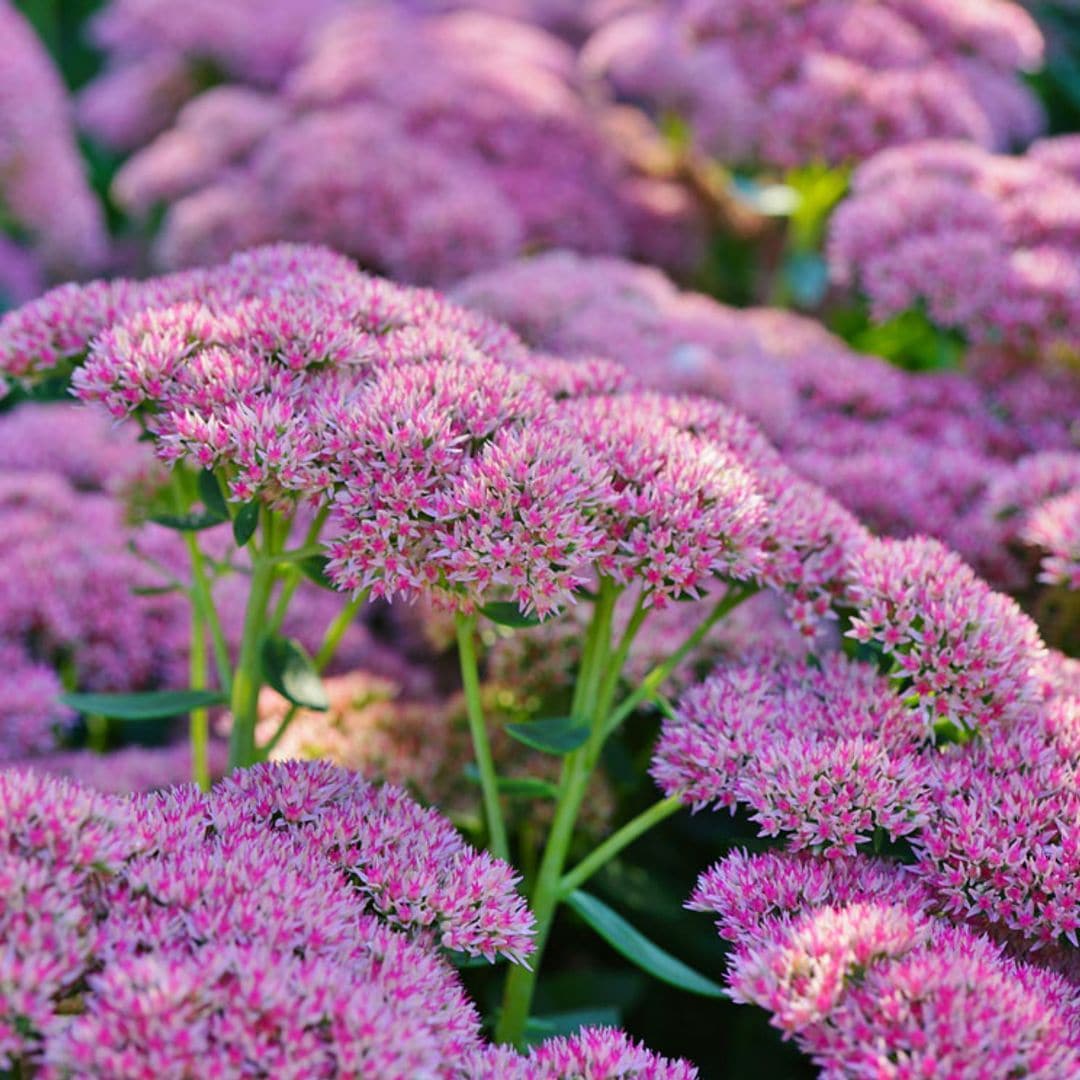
(426, 144)
(455, 463)
(287, 924)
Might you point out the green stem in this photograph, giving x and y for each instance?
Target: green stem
(615, 843)
(247, 680)
(202, 601)
(485, 763)
(577, 768)
(200, 718)
(292, 581)
(659, 674)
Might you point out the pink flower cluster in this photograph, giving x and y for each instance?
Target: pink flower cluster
(223, 940)
(908, 454)
(42, 182)
(231, 934)
(788, 84)
(987, 244)
(823, 755)
(1035, 503)
(160, 55)
(1002, 850)
(847, 958)
(427, 145)
(455, 461)
(967, 654)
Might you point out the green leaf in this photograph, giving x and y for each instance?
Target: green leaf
(246, 522)
(559, 735)
(313, 567)
(464, 961)
(196, 521)
(154, 590)
(520, 787)
(637, 948)
(507, 613)
(289, 670)
(539, 1028)
(150, 705)
(211, 495)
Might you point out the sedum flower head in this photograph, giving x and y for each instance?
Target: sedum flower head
(966, 653)
(823, 755)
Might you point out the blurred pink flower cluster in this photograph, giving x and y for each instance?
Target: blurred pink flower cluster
(908, 454)
(43, 187)
(794, 82)
(85, 598)
(285, 924)
(987, 244)
(427, 145)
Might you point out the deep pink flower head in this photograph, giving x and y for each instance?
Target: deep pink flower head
(44, 188)
(753, 893)
(825, 754)
(387, 1008)
(593, 1054)
(988, 244)
(683, 509)
(1002, 849)
(957, 1007)
(967, 654)
(66, 827)
(407, 862)
(836, 81)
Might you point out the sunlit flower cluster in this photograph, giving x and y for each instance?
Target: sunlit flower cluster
(873, 989)
(791, 84)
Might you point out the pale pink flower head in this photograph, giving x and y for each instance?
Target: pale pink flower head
(1055, 528)
(801, 971)
(825, 755)
(965, 653)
